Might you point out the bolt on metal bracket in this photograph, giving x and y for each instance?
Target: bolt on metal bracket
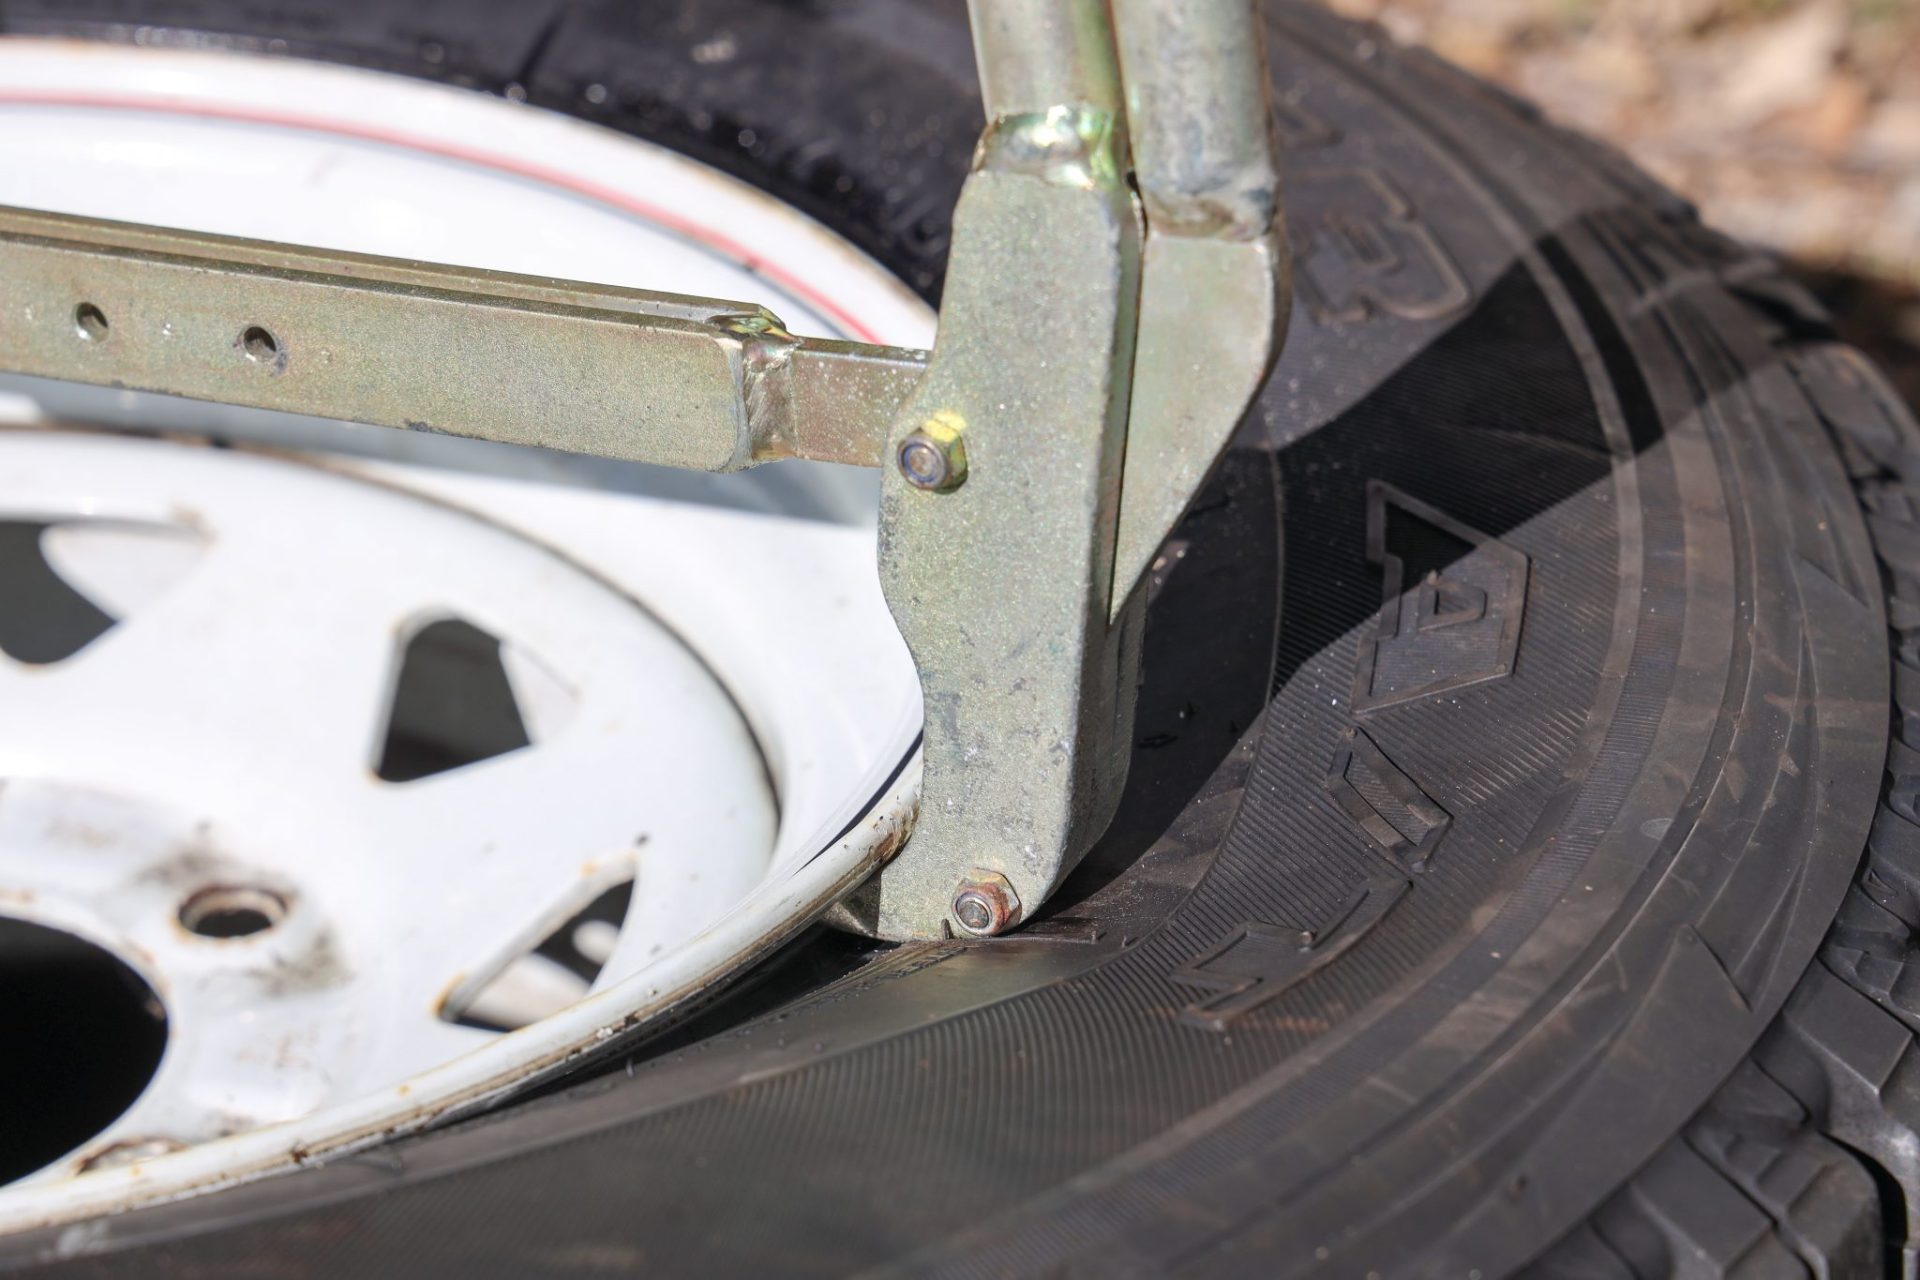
(1116, 293)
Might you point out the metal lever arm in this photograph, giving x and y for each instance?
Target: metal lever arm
(650, 377)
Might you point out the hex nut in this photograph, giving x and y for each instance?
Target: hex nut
(933, 456)
(985, 904)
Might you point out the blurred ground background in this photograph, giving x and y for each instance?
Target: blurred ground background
(1794, 124)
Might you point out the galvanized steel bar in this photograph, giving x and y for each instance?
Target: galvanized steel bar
(1215, 282)
(1198, 117)
(699, 383)
(1037, 55)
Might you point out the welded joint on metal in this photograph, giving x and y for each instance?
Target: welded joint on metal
(1198, 116)
(1215, 285)
(820, 399)
(700, 383)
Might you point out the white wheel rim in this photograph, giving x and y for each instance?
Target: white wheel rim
(831, 709)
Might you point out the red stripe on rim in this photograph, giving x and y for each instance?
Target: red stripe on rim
(724, 245)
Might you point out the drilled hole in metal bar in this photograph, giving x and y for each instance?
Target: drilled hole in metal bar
(260, 345)
(90, 322)
(232, 911)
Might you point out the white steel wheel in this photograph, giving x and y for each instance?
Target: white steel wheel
(214, 770)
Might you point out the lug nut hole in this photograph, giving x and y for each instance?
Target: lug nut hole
(226, 911)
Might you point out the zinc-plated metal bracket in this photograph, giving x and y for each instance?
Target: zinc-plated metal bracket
(1116, 292)
(1115, 296)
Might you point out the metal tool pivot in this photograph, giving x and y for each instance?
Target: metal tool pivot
(1116, 292)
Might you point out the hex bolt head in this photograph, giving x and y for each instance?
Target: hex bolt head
(933, 456)
(985, 904)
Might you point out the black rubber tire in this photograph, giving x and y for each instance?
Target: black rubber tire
(1567, 821)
